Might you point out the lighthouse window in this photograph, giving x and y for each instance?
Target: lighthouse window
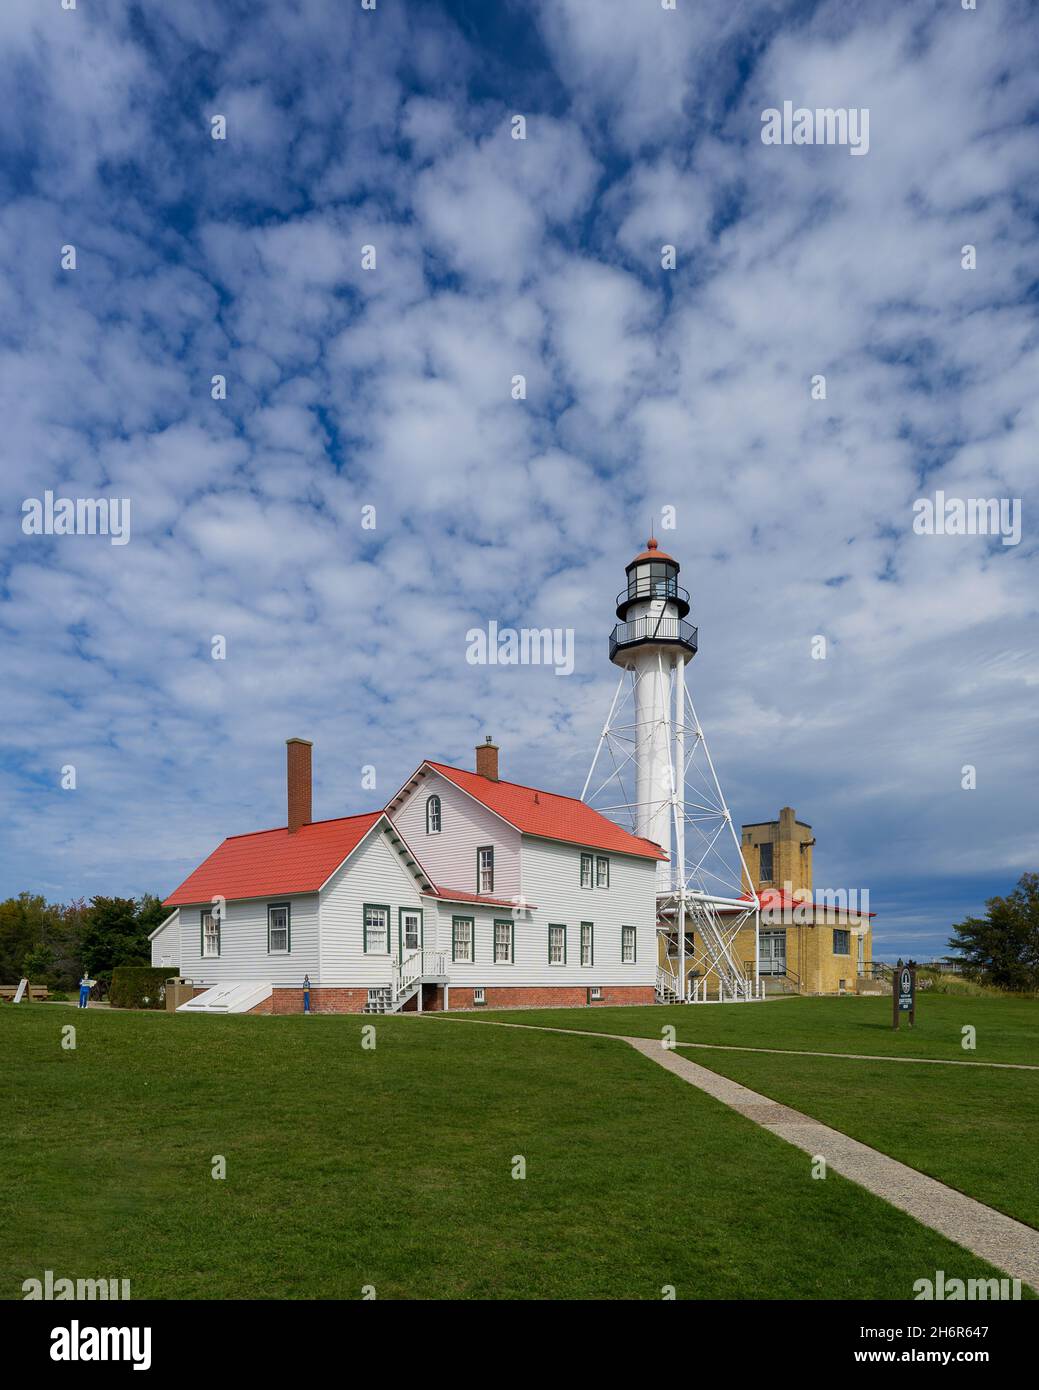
(841, 943)
(433, 816)
(586, 871)
(557, 945)
(765, 862)
(602, 873)
(485, 869)
(628, 945)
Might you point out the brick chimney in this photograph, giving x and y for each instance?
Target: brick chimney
(487, 759)
(297, 768)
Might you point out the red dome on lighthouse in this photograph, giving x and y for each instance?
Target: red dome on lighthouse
(652, 552)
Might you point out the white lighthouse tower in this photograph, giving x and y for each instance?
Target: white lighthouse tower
(652, 772)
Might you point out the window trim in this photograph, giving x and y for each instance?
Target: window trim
(634, 946)
(274, 907)
(556, 926)
(591, 870)
(601, 859)
(589, 965)
(380, 907)
(484, 849)
(434, 796)
(462, 917)
(203, 954)
(400, 928)
(511, 924)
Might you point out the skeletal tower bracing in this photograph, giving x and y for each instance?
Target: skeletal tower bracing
(653, 773)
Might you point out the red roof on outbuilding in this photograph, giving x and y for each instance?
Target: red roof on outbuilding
(270, 862)
(547, 814)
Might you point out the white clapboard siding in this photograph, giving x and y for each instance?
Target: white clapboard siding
(450, 857)
(552, 880)
(165, 942)
(243, 942)
(374, 873)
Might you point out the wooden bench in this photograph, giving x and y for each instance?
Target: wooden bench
(7, 993)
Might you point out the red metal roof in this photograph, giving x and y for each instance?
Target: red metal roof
(779, 900)
(459, 895)
(652, 552)
(547, 814)
(269, 862)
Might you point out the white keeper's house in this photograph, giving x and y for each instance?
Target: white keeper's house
(465, 891)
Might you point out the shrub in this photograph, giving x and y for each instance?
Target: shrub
(139, 986)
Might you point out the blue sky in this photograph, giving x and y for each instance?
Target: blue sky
(646, 389)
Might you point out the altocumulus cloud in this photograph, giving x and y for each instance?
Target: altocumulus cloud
(645, 388)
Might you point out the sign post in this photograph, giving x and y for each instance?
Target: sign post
(903, 993)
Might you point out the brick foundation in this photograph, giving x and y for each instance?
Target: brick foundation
(322, 1001)
(349, 1000)
(541, 997)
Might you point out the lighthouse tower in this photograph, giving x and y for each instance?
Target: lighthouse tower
(652, 772)
(653, 641)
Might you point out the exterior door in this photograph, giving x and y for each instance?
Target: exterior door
(410, 932)
(773, 953)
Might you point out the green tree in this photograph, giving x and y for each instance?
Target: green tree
(1002, 948)
(112, 935)
(26, 922)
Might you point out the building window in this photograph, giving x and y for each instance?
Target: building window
(587, 943)
(841, 942)
(433, 815)
(602, 873)
(210, 933)
(278, 941)
(595, 994)
(765, 862)
(672, 944)
(485, 869)
(557, 945)
(503, 943)
(586, 871)
(462, 944)
(628, 945)
(376, 929)
(479, 996)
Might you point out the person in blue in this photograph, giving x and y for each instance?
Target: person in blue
(306, 994)
(84, 992)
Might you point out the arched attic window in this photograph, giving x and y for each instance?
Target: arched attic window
(433, 815)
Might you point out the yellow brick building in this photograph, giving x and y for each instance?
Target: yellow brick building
(811, 942)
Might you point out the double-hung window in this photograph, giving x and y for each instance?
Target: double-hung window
(557, 945)
(587, 943)
(485, 869)
(628, 945)
(376, 929)
(433, 815)
(210, 933)
(586, 870)
(503, 943)
(462, 939)
(602, 873)
(278, 929)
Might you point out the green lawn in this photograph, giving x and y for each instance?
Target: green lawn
(976, 1130)
(393, 1168)
(1007, 1029)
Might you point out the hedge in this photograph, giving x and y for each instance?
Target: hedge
(139, 986)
